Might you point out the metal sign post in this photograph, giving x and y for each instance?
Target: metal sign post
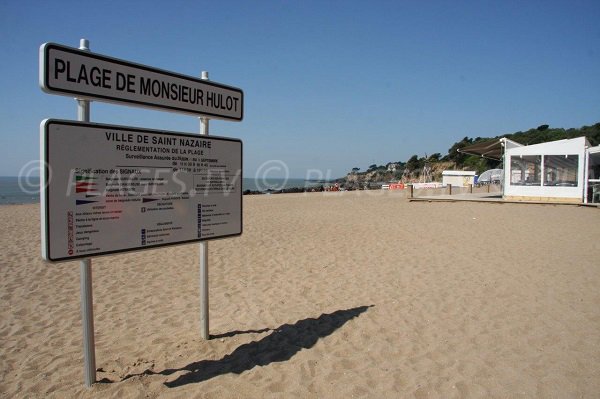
(204, 328)
(85, 266)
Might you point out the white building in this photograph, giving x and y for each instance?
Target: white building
(458, 178)
(557, 171)
(393, 167)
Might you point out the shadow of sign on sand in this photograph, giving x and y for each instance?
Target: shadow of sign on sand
(281, 345)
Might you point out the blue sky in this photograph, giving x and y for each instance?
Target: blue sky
(329, 85)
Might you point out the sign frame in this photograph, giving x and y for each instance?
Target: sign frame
(47, 176)
(47, 85)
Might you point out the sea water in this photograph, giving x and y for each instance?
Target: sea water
(15, 190)
(19, 191)
(273, 184)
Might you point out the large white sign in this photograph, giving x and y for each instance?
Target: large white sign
(109, 189)
(77, 73)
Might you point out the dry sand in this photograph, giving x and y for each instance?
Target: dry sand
(334, 295)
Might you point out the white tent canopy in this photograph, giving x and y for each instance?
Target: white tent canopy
(491, 175)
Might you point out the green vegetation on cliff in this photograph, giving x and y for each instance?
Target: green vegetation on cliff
(430, 167)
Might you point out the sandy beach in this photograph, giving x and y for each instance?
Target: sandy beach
(325, 295)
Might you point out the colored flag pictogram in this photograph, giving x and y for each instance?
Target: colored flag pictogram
(83, 202)
(84, 178)
(85, 184)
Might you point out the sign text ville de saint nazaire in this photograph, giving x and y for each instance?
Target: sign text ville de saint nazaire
(82, 74)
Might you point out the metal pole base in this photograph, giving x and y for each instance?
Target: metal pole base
(87, 319)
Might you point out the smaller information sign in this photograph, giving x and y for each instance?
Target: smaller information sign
(109, 189)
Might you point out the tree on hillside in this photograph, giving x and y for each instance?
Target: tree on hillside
(592, 133)
(454, 155)
(413, 163)
(541, 128)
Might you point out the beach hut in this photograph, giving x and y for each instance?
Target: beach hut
(458, 178)
(555, 171)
